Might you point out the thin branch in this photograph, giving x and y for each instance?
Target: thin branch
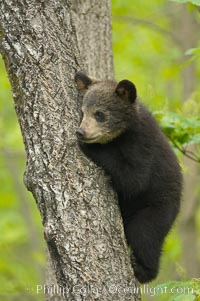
(138, 21)
(184, 151)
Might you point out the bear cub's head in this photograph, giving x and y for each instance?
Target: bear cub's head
(108, 108)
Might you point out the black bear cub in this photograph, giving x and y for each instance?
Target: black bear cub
(120, 135)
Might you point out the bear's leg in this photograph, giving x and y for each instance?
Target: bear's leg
(145, 232)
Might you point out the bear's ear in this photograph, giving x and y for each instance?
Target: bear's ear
(126, 90)
(83, 81)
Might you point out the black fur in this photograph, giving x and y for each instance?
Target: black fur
(147, 178)
(127, 90)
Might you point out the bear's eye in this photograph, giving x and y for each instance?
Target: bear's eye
(99, 116)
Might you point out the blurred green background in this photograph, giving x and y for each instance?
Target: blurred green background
(156, 44)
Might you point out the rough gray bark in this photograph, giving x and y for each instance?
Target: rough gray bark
(43, 45)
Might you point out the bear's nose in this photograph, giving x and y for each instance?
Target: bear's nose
(80, 133)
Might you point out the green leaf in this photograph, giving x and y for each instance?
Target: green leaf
(183, 298)
(195, 2)
(195, 139)
(179, 128)
(173, 284)
(193, 51)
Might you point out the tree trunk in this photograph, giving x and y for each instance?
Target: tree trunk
(43, 44)
(187, 29)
